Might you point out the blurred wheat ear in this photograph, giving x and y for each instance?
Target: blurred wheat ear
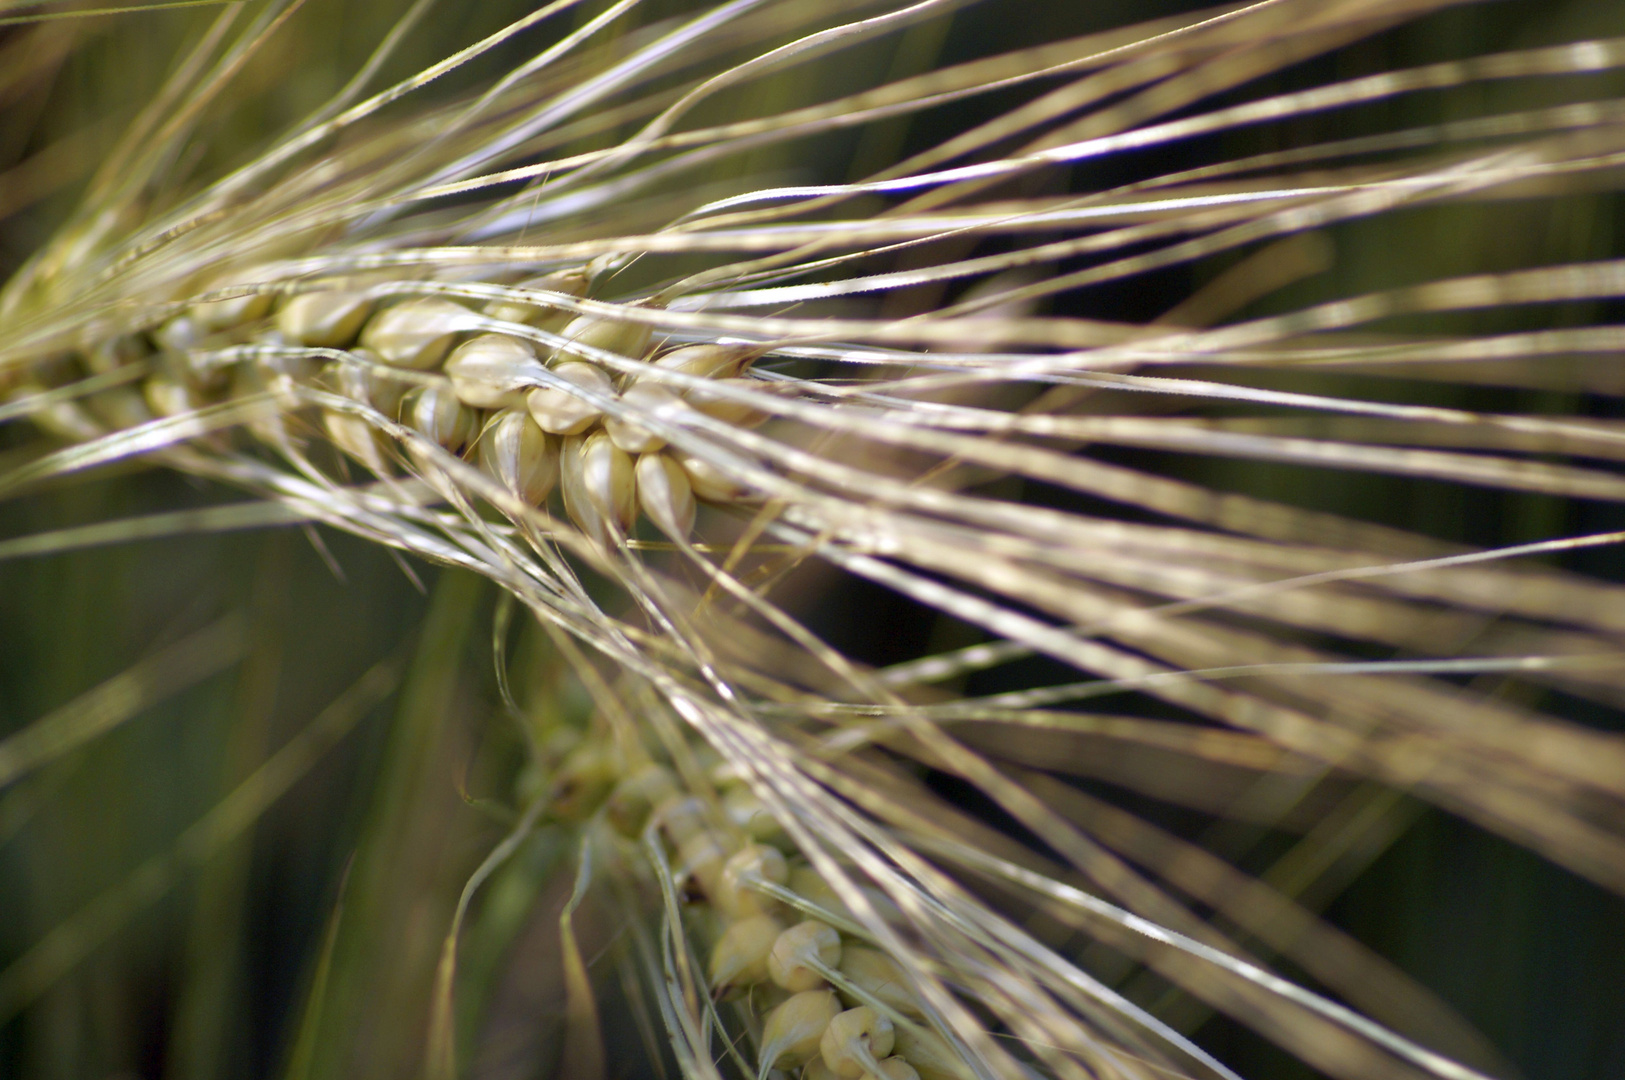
(811, 538)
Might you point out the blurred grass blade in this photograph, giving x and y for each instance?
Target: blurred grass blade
(380, 984)
(248, 515)
(212, 989)
(124, 696)
(442, 1046)
(583, 1044)
(90, 13)
(70, 941)
(304, 1043)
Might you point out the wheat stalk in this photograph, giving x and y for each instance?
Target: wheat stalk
(613, 262)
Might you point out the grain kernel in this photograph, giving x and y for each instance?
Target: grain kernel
(120, 407)
(632, 436)
(681, 817)
(541, 316)
(704, 361)
(266, 375)
(359, 439)
(608, 485)
(754, 861)
(807, 883)
(793, 1030)
(517, 311)
(435, 411)
(417, 333)
(798, 946)
(728, 410)
(879, 976)
(217, 315)
(493, 371)
(362, 381)
(179, 334)
(112, 353)
(742, 806)
(635, 797)
(563, 413)
(851, 1037)
(893, 1068)
(324, 320)
(740, 955)
(665, 495)
(817, 1070)
(352, 434)
(167, 395)
(581, 782)
(709, 482)
(521, 456)
(700, 859)
(626, 339)
(929, 1054)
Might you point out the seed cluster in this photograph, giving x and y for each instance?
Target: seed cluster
(499, 399)
(826, 1002)
(836, 1007)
